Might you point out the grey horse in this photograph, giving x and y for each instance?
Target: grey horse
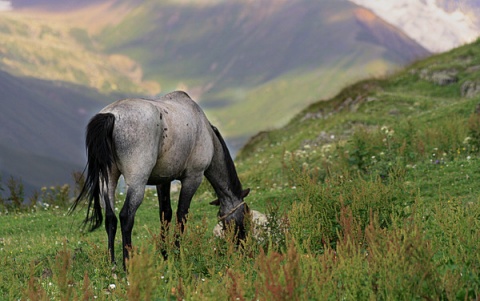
(153, 142)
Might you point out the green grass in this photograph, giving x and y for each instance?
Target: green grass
(370, 195)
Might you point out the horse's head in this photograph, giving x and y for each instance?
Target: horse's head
(234, 212)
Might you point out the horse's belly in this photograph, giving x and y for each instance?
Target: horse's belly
(161, 175)
(156, 180)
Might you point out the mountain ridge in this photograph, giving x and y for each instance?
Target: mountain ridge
(250, 71)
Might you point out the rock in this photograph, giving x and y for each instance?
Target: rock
(424, 74)
(477, 109)
(473, 69)
(259, 221)
(310, 115)
(470, 89)
(394, 112)
(351, 104)
(443, 78)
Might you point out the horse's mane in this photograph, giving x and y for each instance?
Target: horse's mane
(235, 184)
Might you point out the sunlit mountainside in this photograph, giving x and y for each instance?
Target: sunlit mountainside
(251, 64)
(233, 52)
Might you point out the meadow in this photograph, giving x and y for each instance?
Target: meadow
(371, 195)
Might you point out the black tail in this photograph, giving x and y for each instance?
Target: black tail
(100, 157)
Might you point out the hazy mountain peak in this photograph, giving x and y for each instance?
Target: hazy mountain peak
(437, 28)
(5, 5)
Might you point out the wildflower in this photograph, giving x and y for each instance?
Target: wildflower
(111, 286)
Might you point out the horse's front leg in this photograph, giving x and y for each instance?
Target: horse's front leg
(163, 191)
(189, 187)
(127, 216)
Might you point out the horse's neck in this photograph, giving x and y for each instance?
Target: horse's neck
(221, 179)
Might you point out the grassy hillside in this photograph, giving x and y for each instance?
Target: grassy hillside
(370, 195)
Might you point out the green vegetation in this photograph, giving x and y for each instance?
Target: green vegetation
(370, 195)
(57, 51)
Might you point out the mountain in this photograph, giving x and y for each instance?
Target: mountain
(251, 64)
(42, 129)
(437, 25)
(236, 56)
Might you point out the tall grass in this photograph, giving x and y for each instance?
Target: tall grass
(354, 235)
(359, 207)
(363, 230)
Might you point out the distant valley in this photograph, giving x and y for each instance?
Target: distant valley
(42, 129)
(251, 64)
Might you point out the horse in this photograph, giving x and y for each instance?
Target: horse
(154, 142)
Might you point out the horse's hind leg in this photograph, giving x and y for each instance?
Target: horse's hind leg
(110, 218)
(163, 191)
(127, 216)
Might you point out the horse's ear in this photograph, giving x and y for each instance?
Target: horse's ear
(215, 203)
(245, 193)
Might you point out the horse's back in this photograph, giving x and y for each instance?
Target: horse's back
(164, 138)
(187, 137)
(136, 134)
(176, 95)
